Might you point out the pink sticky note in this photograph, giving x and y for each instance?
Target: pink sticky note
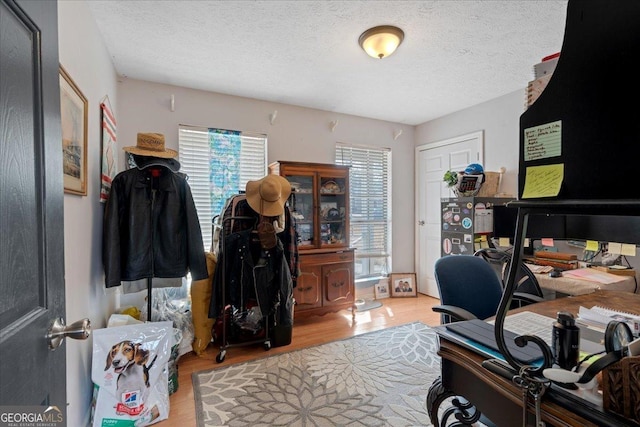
(547, 241)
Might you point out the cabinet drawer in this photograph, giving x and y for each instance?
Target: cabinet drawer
(328, 258)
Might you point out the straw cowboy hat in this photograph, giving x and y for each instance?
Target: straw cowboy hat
(151, 144)
(268, 195)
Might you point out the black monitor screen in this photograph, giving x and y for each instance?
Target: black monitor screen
(539, 226)
(604, 228)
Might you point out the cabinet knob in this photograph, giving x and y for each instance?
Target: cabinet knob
(420, 222)
(337, 284)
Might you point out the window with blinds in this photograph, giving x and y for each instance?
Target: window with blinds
(370, 204)
(219, 162)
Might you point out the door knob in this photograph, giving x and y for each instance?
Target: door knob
(420, 222)
(57, 332)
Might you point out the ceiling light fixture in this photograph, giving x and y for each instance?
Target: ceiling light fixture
(381, 41)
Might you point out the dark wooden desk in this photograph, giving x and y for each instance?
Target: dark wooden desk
(499, 399)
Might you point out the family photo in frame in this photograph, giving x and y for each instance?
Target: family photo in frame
(403, 285)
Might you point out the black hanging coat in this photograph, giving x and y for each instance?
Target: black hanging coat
(151, 233)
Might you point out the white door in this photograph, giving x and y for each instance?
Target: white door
(432, 161)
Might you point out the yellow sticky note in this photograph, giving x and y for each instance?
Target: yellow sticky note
(503, 241)
(543, 181)
(483, 238)
(614, 248)
(592, 245)
(628, 249)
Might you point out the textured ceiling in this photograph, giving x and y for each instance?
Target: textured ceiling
(455, 54)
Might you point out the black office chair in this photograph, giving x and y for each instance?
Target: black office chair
(526, 281)
(470, 289)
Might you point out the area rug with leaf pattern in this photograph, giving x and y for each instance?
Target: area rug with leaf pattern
(378, 378)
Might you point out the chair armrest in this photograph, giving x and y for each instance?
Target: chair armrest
(455, 313)
(526, 299)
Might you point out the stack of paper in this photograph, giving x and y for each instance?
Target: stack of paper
(593, 275)
(599, 317)
(540, 269)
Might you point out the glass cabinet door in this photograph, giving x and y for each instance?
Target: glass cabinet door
(319, 203)
(301, 204)
(333, 200)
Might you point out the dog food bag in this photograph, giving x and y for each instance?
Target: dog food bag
(130, 372)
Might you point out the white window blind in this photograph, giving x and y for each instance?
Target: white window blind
(218, 167)
(370, 202)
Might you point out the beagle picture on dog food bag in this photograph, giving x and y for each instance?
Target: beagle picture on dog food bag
(130, 372)
(129, 361)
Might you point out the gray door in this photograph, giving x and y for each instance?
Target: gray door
(31, 206)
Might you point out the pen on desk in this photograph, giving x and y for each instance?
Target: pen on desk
(499, 368)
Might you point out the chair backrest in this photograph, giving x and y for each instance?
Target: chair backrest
(526, 281)
(496, 258)
(468, 282)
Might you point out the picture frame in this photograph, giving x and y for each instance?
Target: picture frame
(403, 285)
(73, 117)
(381, 289)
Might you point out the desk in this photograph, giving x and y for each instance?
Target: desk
(570, 286)
(499, 399)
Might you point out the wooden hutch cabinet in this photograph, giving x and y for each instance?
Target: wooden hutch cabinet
(319, 204)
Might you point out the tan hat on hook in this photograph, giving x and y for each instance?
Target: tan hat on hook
(151, 144)
(268, 195)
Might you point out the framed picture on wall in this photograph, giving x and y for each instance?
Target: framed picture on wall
(403, 285)
(73, 116)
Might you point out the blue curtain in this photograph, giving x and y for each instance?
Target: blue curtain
(224, 166)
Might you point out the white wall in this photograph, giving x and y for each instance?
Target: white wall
(500, 120)
(83, 55)
(299, 134)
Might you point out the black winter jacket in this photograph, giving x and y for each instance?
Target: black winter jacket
(151, 233)
(246, 272)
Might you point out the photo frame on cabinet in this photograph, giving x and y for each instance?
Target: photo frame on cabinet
(403, 285)
(73, 116)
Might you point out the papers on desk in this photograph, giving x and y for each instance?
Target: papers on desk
(599, 317)
(593, 275)
(540, 269)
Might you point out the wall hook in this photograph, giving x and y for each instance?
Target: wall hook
(272, 117)
(333, 124)
(173, 103)
(397, 134)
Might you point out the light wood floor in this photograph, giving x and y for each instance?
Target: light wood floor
(309, 331)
